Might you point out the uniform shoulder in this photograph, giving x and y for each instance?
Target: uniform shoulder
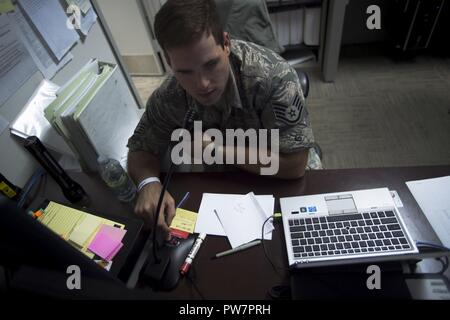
(256, 60)
(168, 92)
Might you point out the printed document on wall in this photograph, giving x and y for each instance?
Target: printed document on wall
(16, 65)
(87, 21)
(84, 5)
(46, 63)
(51, 21)
(432, 195)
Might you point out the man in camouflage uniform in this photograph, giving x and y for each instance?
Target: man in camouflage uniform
(230, 84)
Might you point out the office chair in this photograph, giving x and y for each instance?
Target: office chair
(304, 82)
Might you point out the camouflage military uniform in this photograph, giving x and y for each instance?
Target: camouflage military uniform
(263, 92)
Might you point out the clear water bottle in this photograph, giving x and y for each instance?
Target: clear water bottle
(117, 179)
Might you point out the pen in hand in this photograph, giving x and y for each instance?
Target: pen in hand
(237, 249)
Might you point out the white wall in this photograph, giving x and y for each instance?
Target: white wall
(127, 26)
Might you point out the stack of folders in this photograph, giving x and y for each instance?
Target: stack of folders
(95, 113)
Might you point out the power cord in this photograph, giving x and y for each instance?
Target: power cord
(35, 179)
(443, 260)
(274, 267)
(426, 244)
(191, 280)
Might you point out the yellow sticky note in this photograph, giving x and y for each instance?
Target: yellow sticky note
(83, 231)
(184, 220)
(6, 6)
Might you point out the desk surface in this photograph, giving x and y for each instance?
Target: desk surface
(248, 274)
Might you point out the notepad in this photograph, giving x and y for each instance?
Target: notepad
(113, 232)
(85, 230)
(105, 246)
(184, 220)
(243, 220)
(207, 221)
(65, 221)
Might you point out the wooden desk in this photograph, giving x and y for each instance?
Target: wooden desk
(248, 274)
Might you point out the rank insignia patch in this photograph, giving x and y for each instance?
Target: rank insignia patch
(289, 114)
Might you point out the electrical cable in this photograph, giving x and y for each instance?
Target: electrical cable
(36, 178)
(443, 259)
(195, 286)
(431, 245)
(274, 267)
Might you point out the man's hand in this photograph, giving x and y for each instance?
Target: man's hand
(146, 207)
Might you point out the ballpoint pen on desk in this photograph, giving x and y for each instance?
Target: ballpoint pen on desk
(186, 196)
(190, 258)
(237, 249)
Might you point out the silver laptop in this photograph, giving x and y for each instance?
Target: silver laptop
(346, 227)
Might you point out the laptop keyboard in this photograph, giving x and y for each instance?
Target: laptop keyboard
(347, 234)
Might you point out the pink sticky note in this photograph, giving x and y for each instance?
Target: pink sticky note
(115, 251)
(103, 245)
(112, 232)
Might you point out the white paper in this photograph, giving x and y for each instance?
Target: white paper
(107, 132)
(46, 63)
(50, 20)
(88, 21)
(3, 124)
(32, 122)
(433, 197)
(207, 221)
(242, 219)
(398, 202)
(84, 5)
(16, 65)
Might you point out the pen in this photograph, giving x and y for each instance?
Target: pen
(190, 258)
(184, 199)
(237, 249)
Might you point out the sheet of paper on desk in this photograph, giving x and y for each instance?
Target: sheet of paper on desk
(208, 223)
(433, 197)
(243, 219)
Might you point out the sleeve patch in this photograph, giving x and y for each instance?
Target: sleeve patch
(289, 114)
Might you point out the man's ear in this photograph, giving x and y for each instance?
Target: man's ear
(226, 43)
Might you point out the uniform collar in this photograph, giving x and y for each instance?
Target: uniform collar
(235, 99)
